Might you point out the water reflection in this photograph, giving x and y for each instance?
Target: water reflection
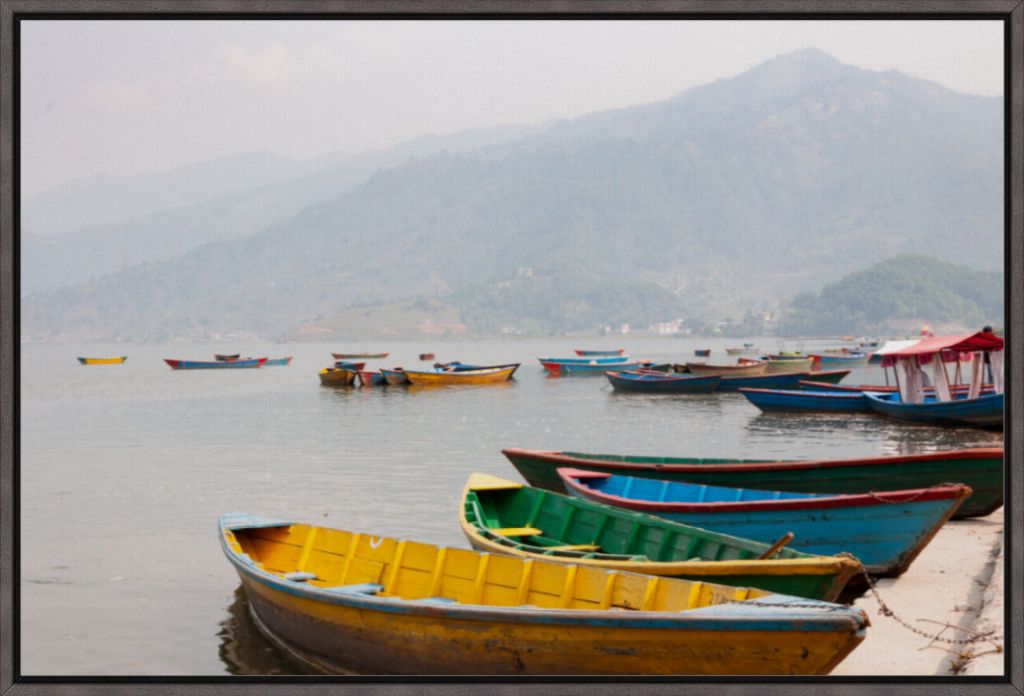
(244, 650)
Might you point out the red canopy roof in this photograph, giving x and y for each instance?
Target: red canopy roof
(947, 345)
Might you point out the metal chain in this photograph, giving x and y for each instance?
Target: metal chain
(912, 498)
(885, 610)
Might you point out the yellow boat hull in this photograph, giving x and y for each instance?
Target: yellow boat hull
(776, 367)
(103, 361)
(466, 377)
(321, 635)
(336, 377)
(345, 602)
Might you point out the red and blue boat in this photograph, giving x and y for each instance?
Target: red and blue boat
(941, 404)
(702, 352)
(653, 382)
(395, 376)
(595, 353)
(884, 530)
(564, 367)
(840, 359)
(214, 364)
(801, 401)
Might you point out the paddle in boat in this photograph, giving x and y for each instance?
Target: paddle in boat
(103, 361)
(803, 401)
(502, 516)
(943, 406)
(360, 356)
(214, 365)
(593, 353)
(981, 468)
(884, 530)
(487, 375)
(652, 382)
(344, 602)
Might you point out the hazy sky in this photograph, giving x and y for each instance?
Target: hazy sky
(127, 97)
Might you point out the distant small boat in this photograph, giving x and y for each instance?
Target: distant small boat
(482, 376)
(278, 361)
(651, 382)
(702, 352)
(984, 411)
(884, 530)
(566, 367)
(747, 349)
(426, 356)
(337, 377)
(103, 361)
(371, 378)
(384, 605)
(214, 365)
(847, 359)
(749, 369)
(592, 353)
(360, 356)
(784, 363)
(804, 401)
(222, 357)
(395, 376)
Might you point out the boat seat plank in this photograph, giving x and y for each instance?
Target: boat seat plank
(518, 531)
(299, 576)
(367, 588)
(573, 547)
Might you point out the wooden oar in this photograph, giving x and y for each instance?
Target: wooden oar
(777, 546)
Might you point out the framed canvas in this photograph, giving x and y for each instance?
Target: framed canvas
(464, 247)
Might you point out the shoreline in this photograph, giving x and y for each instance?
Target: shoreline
(952, 590)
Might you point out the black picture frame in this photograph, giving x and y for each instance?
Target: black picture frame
(1010, 12)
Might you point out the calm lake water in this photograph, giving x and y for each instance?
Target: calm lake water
(125, 470)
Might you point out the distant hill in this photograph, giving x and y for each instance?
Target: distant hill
(748, 189)
(93, 227)
(897, 295)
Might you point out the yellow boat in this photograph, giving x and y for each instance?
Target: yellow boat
(337, 377)
(485, 375)
(345, 602)
(745, 369)
(103, 361)
(779, 366)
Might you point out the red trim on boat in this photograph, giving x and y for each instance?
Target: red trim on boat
(559, 458)
(839, 501)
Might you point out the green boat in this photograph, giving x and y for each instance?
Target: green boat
(509, 518)
(981, 468)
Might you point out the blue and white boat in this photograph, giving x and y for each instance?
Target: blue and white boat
(807, 401)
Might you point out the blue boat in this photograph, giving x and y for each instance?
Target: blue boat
(277, 361)
(985, 411)
(849, 359)
(802, 401)
(456, 366)
(598, 360)
(652, 382)
(213, 365)
(885, 531)
(593, 353)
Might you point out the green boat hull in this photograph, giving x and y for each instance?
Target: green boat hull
(981, 469)
(627, 537)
